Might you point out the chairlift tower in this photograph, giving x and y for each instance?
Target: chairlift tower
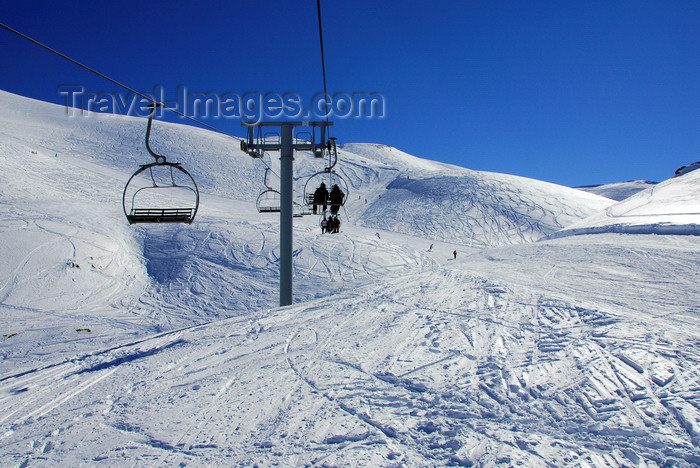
(286, 143)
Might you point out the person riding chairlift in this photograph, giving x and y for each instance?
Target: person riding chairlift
(321, 197)
(336, 197)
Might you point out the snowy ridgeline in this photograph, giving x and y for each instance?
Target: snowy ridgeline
(671, 207)
(162, 345)
(620, 190)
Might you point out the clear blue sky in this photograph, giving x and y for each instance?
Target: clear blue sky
(571, 92)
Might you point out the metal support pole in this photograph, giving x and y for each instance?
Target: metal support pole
(286, 213)
(286, 146)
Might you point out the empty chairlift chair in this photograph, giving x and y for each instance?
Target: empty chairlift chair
(269, 200)
(161, 191)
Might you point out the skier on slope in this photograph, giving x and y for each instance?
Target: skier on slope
(455, 254)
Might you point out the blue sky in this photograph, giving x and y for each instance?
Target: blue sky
(571, 92)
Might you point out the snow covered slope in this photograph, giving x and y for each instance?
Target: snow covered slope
(117, 142)
(68, 247)
(162, 345)
(534, 355)
(671, 207)
(452, 204)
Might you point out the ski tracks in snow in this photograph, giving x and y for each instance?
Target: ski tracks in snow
(34, 400)
(472, 370)
(429, 368)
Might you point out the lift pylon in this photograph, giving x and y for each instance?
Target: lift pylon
(286, 145)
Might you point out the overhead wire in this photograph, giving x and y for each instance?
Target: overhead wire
(128, 88)
(325, 88)
(323, 60)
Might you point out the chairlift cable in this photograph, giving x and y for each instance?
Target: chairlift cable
(323, 61)
(111, 80)
(311, 197)
(102, 75)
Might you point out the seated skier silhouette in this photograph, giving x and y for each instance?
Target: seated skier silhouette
(320, 197)
(336, 197)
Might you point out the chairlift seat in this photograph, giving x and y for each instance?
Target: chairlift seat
(161, 215)
(140, 210)
(269, 200)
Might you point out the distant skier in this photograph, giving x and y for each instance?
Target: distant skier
(455, 254)
(430, 249)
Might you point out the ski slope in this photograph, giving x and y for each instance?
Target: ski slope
(163, 345)
(452, 204)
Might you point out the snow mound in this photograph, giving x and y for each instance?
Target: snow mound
(453, 204)
(393, 157)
